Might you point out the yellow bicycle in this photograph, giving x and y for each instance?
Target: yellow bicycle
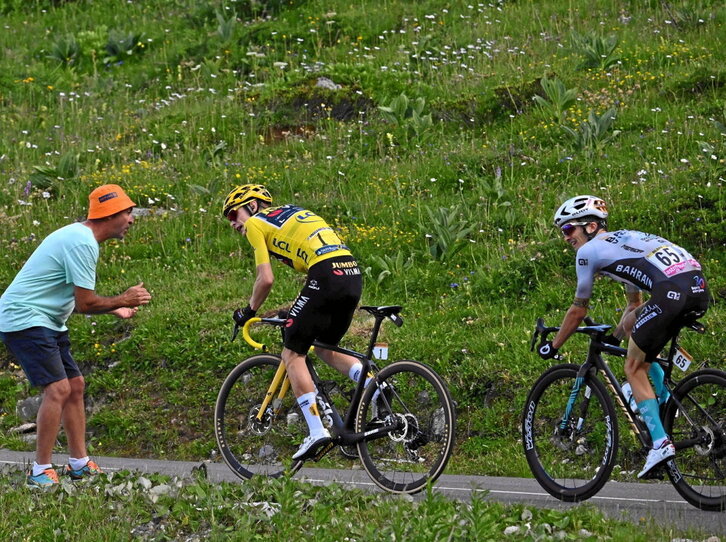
(402, 423)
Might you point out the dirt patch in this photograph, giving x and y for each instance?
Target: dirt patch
(518, 98)
(700, 81)
(296, 111)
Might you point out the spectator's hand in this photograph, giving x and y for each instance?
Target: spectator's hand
(611, 339)
(124, 313)
(242, 316)
(547, 351)
(137, 295)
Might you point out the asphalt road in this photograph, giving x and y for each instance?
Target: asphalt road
(627, 501)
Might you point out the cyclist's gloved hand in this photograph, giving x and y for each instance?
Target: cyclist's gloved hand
(547, 351)
(611, 339)
(241, 316)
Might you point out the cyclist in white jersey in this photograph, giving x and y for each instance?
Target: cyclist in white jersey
(642, 262)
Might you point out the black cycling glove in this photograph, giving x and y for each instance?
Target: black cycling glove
(241, 316)
(547, 351)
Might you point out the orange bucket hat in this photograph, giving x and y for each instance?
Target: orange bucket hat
(108, 200)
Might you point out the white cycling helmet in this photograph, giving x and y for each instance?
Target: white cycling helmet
(580, 207)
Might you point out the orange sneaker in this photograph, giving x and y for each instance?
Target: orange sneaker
(89, 469)
(47, 478)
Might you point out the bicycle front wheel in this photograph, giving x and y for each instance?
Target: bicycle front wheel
(569, 433)
(251, 444)
(416, 399)
(698, 430)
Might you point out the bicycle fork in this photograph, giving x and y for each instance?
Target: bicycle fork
(564, 423)
(281, 381)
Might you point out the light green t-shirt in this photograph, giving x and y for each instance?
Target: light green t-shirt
(42, 292)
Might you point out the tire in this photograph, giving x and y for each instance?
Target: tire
(407, 459)
(698, 471)
(250, 446)
(571, 464)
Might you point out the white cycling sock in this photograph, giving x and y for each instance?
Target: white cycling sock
(355, 371)
(38, 469)
(309, 406)
(77, 464)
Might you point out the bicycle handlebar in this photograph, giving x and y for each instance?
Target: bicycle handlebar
(248, 338)
(591, 328)
(379, 313)
(246, 330)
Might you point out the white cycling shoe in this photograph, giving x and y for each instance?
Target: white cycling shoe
(312, 443)
(658, 456)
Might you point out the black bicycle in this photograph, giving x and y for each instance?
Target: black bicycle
(570, 430)
(402, 423)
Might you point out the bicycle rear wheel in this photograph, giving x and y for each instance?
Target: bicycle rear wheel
(571, 454)
(698, 430)
(417, 399)
(257, 446)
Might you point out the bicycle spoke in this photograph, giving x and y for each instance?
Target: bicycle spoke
(571, 457)
(701, 467)
(253, 444)
(414, 400)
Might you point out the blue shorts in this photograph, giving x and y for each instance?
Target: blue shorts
(44, 354)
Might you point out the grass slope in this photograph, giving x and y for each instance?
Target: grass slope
(413, 126)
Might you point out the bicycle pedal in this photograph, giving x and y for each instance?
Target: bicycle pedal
(658, 473)
(320, 452)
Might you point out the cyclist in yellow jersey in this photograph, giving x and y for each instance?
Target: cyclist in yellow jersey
(295, 236)
(324, 308)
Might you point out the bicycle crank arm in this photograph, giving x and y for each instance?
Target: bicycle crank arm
(351, 439)
(688, 443)
(323, 450)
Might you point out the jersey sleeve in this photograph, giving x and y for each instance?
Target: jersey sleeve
(80, 266)
(256, 238)
(584, 264)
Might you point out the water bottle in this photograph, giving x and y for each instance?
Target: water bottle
(628, 393)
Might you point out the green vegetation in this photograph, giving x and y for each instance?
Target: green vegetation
(154, 507)
(413, 126)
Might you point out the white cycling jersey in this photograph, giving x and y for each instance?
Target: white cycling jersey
(640, 260)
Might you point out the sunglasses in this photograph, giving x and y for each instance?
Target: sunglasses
(569, 228)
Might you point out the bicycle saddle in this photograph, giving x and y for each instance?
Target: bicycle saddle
(689, 320)
(385, 310)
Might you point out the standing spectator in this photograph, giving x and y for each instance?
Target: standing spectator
(58, 279)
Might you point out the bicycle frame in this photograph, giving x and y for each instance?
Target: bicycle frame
(570, 432)
(595, 363)
(280, 384)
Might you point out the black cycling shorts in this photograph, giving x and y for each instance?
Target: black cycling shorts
(324, 308)
(658, 319)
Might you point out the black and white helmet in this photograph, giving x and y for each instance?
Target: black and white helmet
(580, 207)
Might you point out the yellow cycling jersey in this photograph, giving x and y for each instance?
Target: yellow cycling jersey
(295, 236)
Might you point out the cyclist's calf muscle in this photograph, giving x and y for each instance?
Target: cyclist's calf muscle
(297, 372)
